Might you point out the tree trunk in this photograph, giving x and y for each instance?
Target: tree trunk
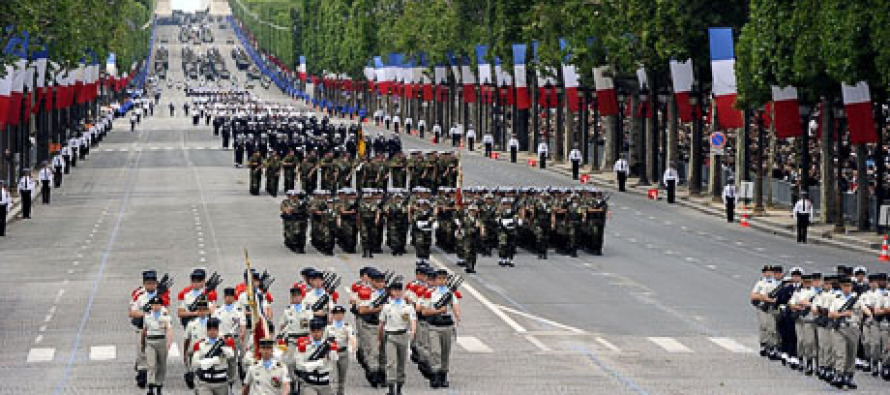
(609, 145)
(673, 125)
(827, 190)
(862, 191)
(715, 179)
(635, 158)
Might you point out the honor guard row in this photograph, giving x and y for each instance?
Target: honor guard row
(827, 325)
(310, 346)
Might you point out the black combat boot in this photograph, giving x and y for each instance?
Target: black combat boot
(399, 388)
(434, 380)
(151, 390)
(809, 369)
(158, 389)
(838, 381)
(392, 389)
(849, 382)
(443, 379)
(141, 378)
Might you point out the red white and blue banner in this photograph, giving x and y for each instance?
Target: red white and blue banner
(724, 79)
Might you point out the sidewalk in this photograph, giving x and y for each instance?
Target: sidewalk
(773, 220)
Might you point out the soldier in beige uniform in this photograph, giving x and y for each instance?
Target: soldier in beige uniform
(883, 309)
(315, 360)
(369, 320)
(824, 341)
(443, 312)
(848, 310)
(767, 333)
(398, 321)
(213, 362)
(871, 331)
(232, 321)
(315, 293)
(140, 298)
(267, 376)
(194, 332)
(804, 326)
(294, 325)
(417, 295)
(344, 334)
(157, 336)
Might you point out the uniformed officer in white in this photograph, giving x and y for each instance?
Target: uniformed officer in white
(513, 145)
(802, 212)
(456, 132)
(621, 171)
(73, 144)
(575, 159)
(58, 168)
(66, 156)
(26, 188)
(437, 133)
(670, 182)
(398, 322)
(730, 198)
(543, 151)
(267, 376)
(409, 123)
(344, 334)
(45, 175)
(5, 203)
(421, 127)
(471, 137)
(488, 143)
(396, 121)
(157, 337)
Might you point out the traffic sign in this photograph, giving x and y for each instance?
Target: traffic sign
(718, 140)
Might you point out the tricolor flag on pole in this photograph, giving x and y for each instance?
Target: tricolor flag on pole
(302, 68)
(380, 75)
(860, 118)
(6, 94)
(787, 117)
(643, 109)
(424, 79)
(519, 75)
(606, 97)
(546, 82)
(469, 81)
(504, 81)
(569, 79)
(682, 77)
(485, 76)
(724, 81)
(440, 77)
(43, 88)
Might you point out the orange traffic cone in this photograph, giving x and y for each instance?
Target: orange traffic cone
(744, 222)
(884, 253)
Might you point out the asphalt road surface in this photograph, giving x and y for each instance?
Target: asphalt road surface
(664, 311)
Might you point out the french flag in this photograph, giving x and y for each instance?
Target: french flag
(606, 98)
(860, 119)
(570, 80)
(469, 81)
(724, 81)
(786, 114)
(519, 73)
(440, 77)
(681, 74)
(6, 94)
(546, 83)
(14, 108)
(380, 75)
(41, 59)
(302, 69)
(425, 81)
(485, 76)
(505, 82)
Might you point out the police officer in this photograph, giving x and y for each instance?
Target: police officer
(157, 337)
(471, 137)
(66, 156)
(456, 133)
(437, 132)
(45, 175)
(488, 143)
(5, 203)
(803, 211)
(344, 334)
(730, 198)
(26, 187)
(421, 127)
(575, 158)
(58, 167)
(267, 376)
(315, 358)
(443, 313)
(670, 182)
(513, 144)
(543, 151)
(398, 322)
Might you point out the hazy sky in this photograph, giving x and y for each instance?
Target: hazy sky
(189, 5)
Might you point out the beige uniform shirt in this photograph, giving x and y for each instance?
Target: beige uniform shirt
(156, 323)
(266, 377)
(397, 315)
(319, 369)
(313, 295)
(437, 295)
(231, 317)
(196, 330)
(841, 300)
(295, 320)
(341, 331)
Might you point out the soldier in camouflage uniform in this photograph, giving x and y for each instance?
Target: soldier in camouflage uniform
(300, 207)
(289, 165)
(327, 167)
(369, 216)
(396, 213)
(381, 173)
(467, 236)
(506, 232)
(288, 219)
(423, 230)
(597, 208)
(542, 217)
(449, 164)
(323, 221)
(415, 169)
(430, 168)
(397, 167)
(309, 172)
(344, 171)
(363, 172)
(255, 164)
(347, 220)
(273, 170)
(488, 217)
(445, 216)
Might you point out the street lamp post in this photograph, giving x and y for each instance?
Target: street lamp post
(695, 155)
(758, 187)
(644, 178)
(804, 176)
(663, 98)
(619, 127)
(839, 226)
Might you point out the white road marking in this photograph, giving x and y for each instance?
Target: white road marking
(103, 353)
(669, 344)
(473, 344)
(168, 148)
(42, 328)
(690, 259)
(48, 318)
(75, 263)
(541, 319)
(739, 243)
(537, 343)
(712, 267)
(670, 252)
(730, 344)
(41, 355)
(605, 343)
(52, 310)
(123, 150)
(155, 148)
(202, 259)
(632, 240)
(201, 252)
(38, 339)
(651, 218)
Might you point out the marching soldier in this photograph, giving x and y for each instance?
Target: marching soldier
(398, 323)
(289, 164)
(443, 312)
(239, 150)
(871, 332)
(396, 214)
(422, 230)
(506, 228)
(214, 364)
(309, 172)
(194, 332)
(315, 358)
(847, 309)
(157, 337)
(397, 167)
(272, 167)
(255, 163)
(267, 376)
(821, 304)
(468, 239)
(369, 308)
(139, 308)
(344, 334)
(369, 214)
(294, 325)
(764, 301)
(45, 175)
(800, 306)
(232, 321)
